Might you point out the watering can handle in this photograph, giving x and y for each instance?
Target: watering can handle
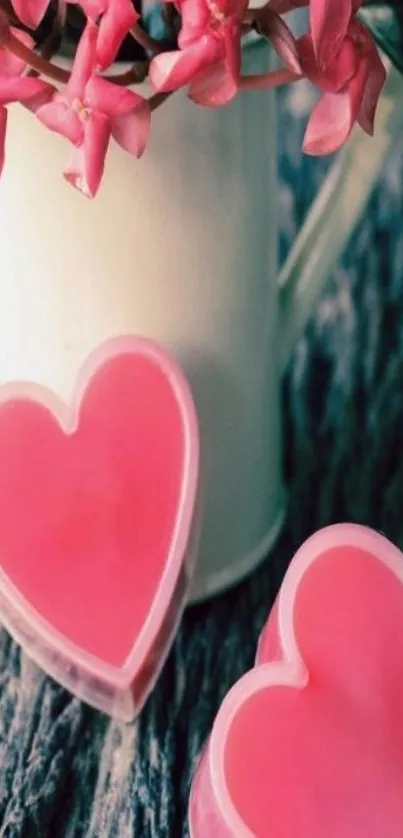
(334, 213)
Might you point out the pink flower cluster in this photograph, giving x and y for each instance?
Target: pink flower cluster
(338, 55)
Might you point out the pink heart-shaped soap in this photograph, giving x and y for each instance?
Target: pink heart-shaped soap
(97, 504)
(310, 742)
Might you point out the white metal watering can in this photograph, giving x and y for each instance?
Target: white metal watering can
(182, 247)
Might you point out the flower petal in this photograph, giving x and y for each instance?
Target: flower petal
(3, 130)
(195, 17)
(329, 124)
(329, 20)
(374, 73)
(338, 74)
(172, 70)
(41, 97)
(231, 36)
(84, 63)
(109, 98)
(20, 89)
(30, 12)
(271, 26)
(132, 129)
(333, 117)
(213, 87)
(58, 116)
(10, 64)
(375, 82)
(86, 165)
(128, 112)
(115, 24)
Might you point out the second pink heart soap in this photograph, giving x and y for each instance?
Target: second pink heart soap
(97, 521)
(309, 743)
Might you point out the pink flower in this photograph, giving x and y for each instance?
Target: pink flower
(351, 83)
(116, 18)
(88, 111)
(329, 22)
(30, 91)
(30, 12)
(209, 54)
(10, 64)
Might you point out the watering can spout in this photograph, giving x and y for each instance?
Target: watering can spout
(334, 214)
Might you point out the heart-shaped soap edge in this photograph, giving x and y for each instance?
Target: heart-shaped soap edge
(291, 670)
(16, 614)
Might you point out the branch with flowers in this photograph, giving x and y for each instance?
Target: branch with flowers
(201, 50)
